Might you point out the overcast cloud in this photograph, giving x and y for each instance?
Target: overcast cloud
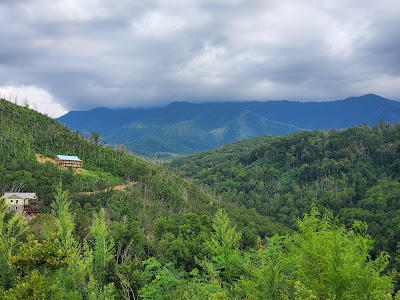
(71, 54)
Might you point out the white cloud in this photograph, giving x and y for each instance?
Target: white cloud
(157, 24)
(208, 67)
(141, 53)
(62, 10)
(383, 85)
(36, 98)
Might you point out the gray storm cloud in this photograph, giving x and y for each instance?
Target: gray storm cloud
(83, 54)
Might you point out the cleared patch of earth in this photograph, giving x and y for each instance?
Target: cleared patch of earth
(114, 188)
(42, 159)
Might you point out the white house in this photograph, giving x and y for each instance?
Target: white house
(22, 203)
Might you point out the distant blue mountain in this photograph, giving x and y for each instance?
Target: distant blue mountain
(189, 128)
(103, 119)
(368, 109)
(182, 127)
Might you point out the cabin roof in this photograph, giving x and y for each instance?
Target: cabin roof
(67, 157)
(20, 195)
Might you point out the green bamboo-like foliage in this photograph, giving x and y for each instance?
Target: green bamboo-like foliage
(103, 248)
(64, 218)
(11, 230)
(224, 246)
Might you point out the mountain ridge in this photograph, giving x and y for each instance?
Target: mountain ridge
(165, 237)
(184, 131)
(147, 132)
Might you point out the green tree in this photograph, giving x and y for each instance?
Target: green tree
(267, 271)
(64, 218)
(164, 283)
(12, 229)
(95, 136)
(224, 247)
(102, 258)
(334, 262)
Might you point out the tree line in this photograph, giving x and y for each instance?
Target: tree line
(322, 260)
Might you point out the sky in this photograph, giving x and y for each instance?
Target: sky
(63, 55)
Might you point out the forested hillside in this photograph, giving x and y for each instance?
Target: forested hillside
(354, 173)
(158, 215)
(25, 133)
(162, 237)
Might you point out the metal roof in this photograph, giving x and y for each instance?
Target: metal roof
(67, 157)
(20, 195)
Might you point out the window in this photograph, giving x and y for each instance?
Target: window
(16, 201)
(11, 200)
(16, 207)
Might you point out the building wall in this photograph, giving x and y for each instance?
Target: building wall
(15, 202)
(69, 163)
(19, 205)
(14, 206)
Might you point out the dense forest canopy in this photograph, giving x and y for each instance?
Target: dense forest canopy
(258, 231)
(354, 173)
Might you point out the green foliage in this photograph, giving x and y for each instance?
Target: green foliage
(324, 260)
(191, 130)
(95, 291)
(33, 287)
(103, 248)
(59, 262)
(26, 133)
(267, 271)
(45, 256)
(164, 281)
(353, 173)
(11, 230)
(224, 247)
(181, 239)
(195, 245)
(63, 218)
(334, 263)
(42, 226)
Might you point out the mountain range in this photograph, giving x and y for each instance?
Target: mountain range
(184, 128)
(274, 211)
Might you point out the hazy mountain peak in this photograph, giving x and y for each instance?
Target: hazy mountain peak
(183, 127)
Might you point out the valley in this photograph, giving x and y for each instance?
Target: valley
(182, 128)
(257, 218)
